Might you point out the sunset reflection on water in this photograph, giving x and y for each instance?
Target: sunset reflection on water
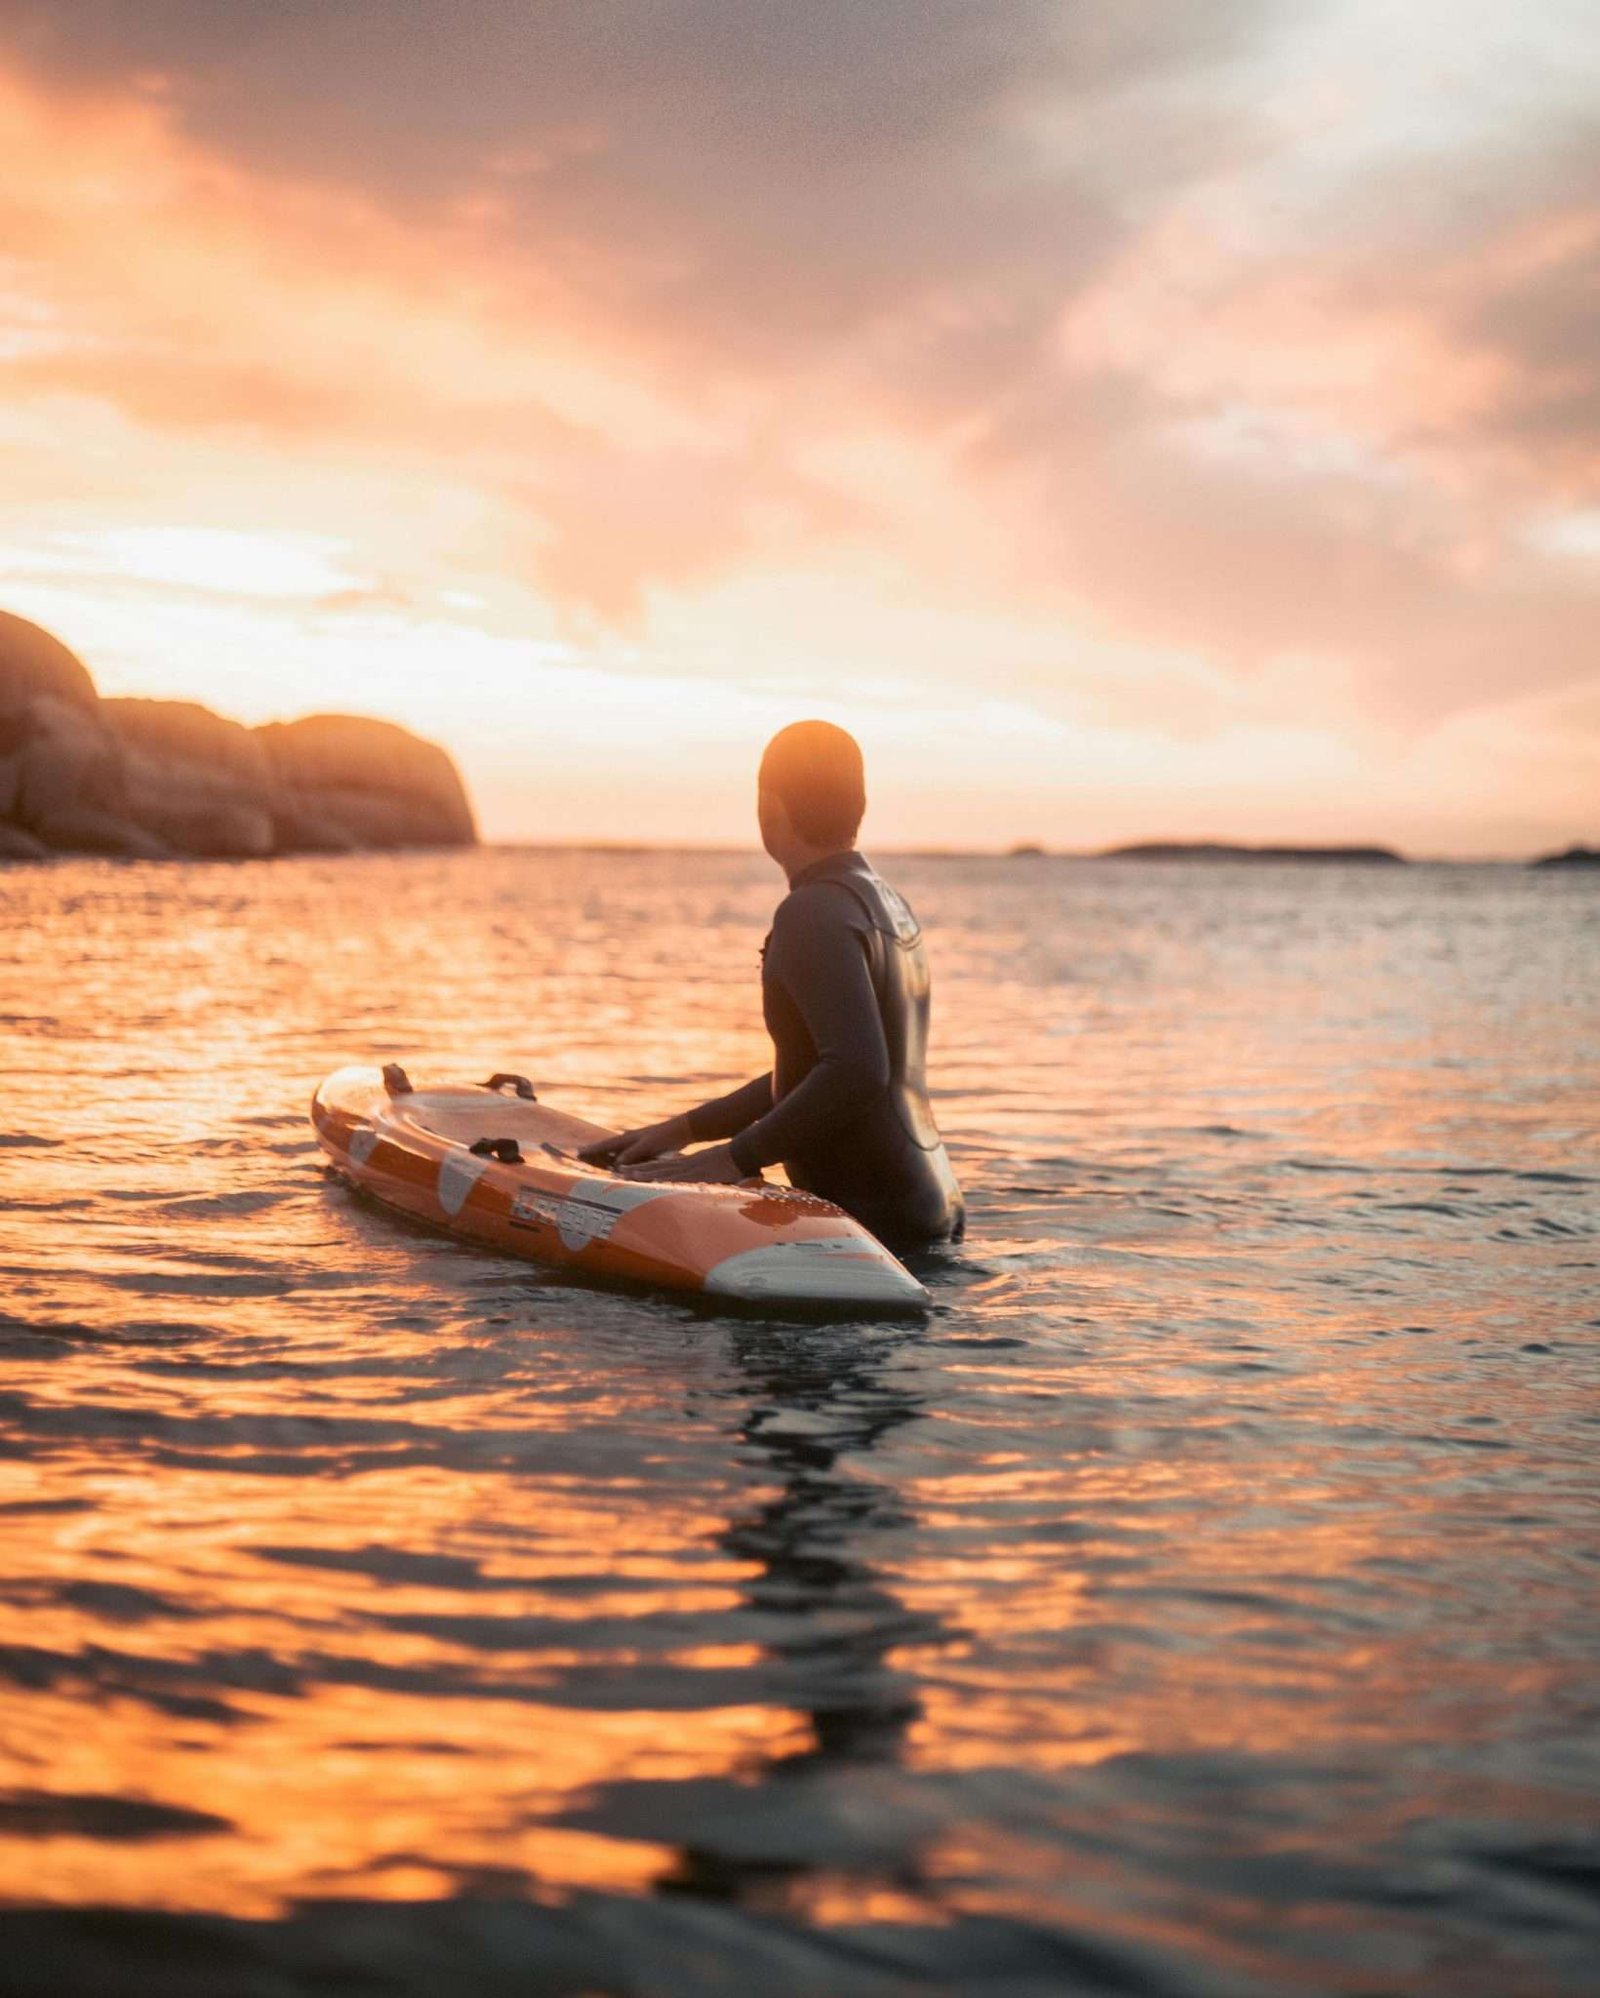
(1205, 1589)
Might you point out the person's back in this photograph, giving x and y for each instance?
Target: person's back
(845, 991)
(867, 1140)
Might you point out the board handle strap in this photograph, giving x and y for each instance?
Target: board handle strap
(524, 1087)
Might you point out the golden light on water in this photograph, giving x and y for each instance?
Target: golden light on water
(349, 1568)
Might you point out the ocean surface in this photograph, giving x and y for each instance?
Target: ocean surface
(1205, 1599)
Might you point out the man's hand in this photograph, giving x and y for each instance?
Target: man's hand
(630, 1148)
(712, 1167)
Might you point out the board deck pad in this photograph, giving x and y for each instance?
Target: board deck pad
(411, 1148)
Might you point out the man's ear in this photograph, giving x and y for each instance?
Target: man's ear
(772, 815)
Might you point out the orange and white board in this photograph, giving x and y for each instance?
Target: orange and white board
(411, 1147)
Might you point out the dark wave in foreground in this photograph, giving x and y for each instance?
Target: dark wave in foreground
(594, 1946)
(693, 1939)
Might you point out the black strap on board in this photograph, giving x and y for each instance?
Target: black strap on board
(524, 1087)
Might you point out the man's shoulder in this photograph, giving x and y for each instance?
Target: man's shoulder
(824, 906)
(856, 899)
(827, 900)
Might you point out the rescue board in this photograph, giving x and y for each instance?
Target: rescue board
(491, 1163)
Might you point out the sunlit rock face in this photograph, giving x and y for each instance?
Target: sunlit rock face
(63, 784)
(33, 664)
(145, 779)
(383, 785)
(195, 780)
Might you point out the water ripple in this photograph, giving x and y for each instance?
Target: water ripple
(1200, 1602)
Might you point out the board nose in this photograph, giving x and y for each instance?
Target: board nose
(818, 1273)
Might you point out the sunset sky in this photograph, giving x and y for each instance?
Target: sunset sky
(1167, 418)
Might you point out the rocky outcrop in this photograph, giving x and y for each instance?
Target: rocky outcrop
(1573, 856)
(1365, 856)
(32, 663)
(151, 779)
(201, 783)
(63, 783)
(15, 844)
(386, 786)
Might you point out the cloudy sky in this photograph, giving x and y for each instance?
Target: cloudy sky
(1179, 417)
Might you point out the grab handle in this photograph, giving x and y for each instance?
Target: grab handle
(524, 1087)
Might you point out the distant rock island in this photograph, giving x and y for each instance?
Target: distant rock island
(156, 780)
(1166, 849)
(1574, 856)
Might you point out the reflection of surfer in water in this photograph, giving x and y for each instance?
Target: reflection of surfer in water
(820, 1401)
(837, 1628)
(844, 987)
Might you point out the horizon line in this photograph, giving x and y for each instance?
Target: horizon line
(1333, 852)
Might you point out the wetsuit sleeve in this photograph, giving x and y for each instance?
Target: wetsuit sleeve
(726, 1116)
(818, 956)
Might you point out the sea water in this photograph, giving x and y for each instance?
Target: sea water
(1205, 1598)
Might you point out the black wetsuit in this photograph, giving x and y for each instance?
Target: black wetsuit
(844, 987)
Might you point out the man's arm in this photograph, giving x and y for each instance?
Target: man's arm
(726, 1116)
(720, 1118)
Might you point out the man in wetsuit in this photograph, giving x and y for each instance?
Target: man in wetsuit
(844, 987)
